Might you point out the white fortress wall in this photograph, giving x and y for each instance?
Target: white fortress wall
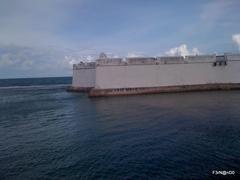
(84, 75)
(231, 73)
(200, 58)
(154, 75)
(170, 60)
(232, 57)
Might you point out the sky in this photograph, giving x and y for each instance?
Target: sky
(42, 38)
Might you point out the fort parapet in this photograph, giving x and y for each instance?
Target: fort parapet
(140, 60)
(201, 59)
(109, 61)
(170, 59)
(84, 65)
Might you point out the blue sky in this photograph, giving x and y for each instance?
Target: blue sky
(45, 37)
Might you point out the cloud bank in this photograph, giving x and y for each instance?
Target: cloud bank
(20, 61)
(182, 50)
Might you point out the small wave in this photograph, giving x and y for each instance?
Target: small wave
(36, 86)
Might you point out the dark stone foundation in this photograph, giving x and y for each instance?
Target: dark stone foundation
(78, 89)
(163, 89)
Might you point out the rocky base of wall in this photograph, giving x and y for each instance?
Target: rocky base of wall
(164, 89)
(78, 89)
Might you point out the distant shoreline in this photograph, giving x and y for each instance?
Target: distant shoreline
(36, 77)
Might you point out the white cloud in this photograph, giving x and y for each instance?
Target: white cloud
(236, 39)
(195, 51)
(90, 58)
(182, 50)
(16, 61)
(5, 60)
(115, 56)
(69, 60)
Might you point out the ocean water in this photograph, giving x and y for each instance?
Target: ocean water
(48, 133)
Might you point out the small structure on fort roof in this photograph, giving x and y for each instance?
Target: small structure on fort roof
(84, 65)
(104, 60)
(102, 56)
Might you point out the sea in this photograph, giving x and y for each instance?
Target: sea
(49, 133)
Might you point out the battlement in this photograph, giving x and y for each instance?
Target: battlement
(103, 60)
(170, 59)
(232, 57)
(141, 60)
(201, 58)
(84, 65)
(109, 61)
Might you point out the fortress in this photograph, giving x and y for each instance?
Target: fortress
(147, 75)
